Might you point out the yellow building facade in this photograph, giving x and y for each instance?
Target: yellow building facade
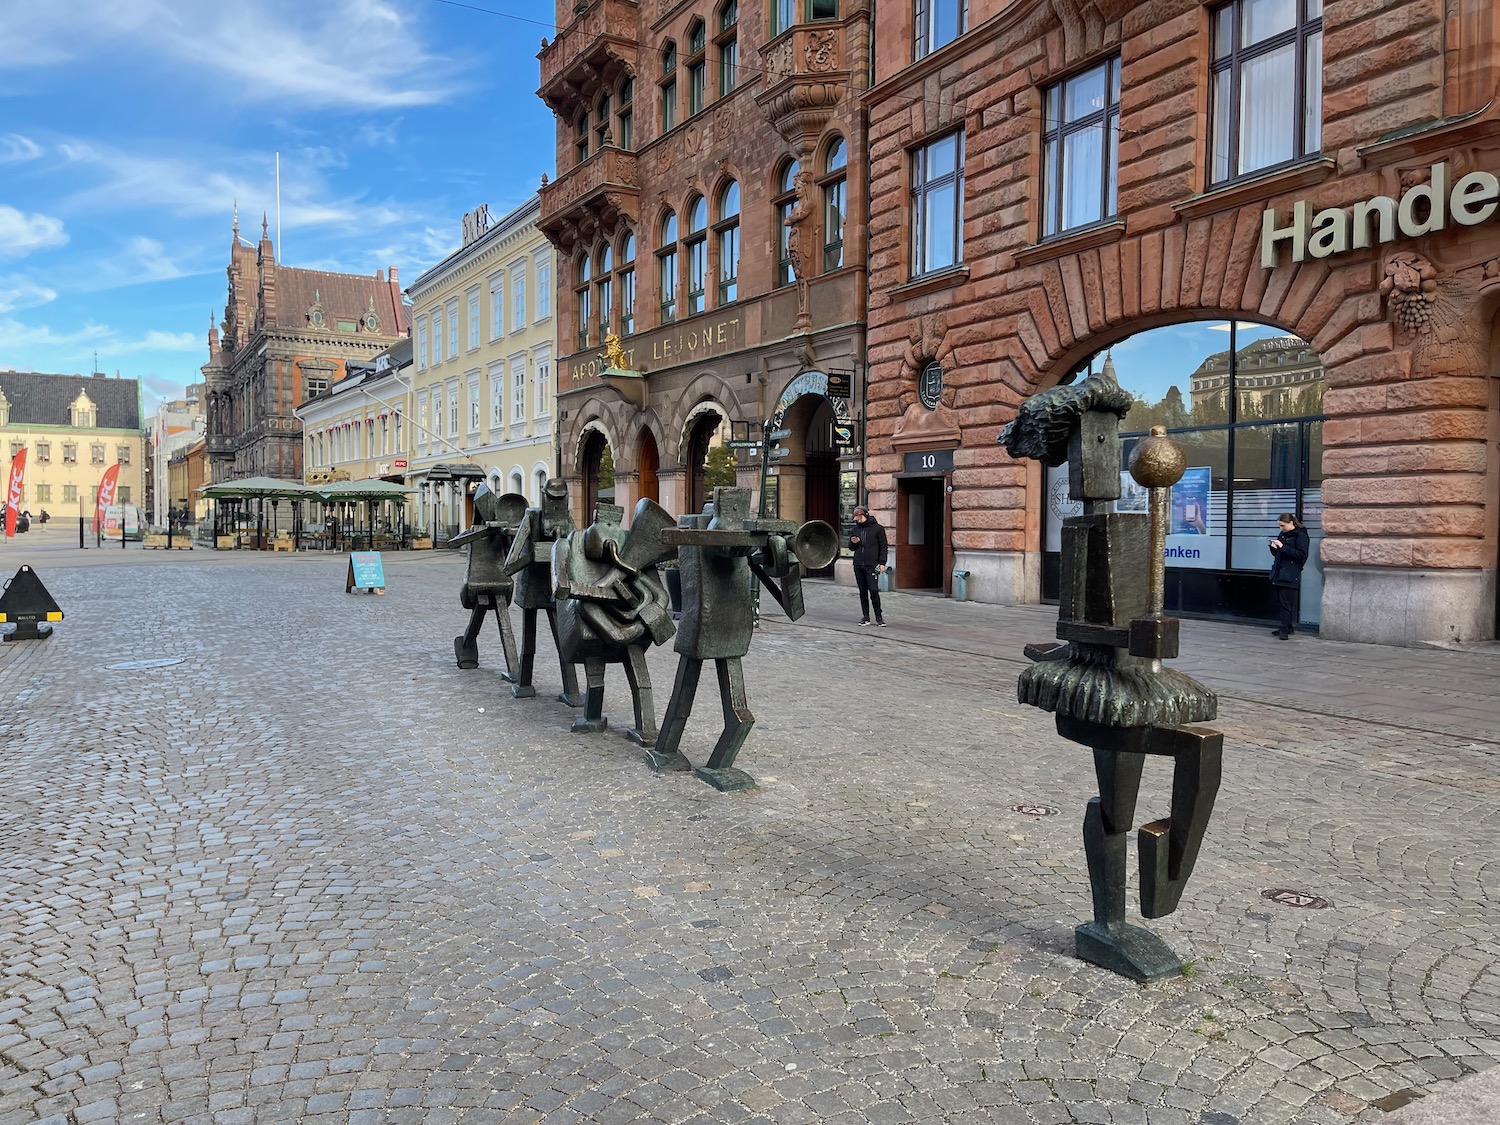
(73, 428)
(483, 385)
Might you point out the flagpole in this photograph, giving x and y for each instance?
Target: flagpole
(280, 254)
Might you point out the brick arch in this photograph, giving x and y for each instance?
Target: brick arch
(707, 389)
(648, 424)
(701, 405)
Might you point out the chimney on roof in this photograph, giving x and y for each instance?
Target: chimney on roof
(380, 275)
(393, 275)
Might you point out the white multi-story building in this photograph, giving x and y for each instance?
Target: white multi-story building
(483, 389)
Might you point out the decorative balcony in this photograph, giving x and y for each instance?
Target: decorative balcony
(589, 53)
(806, 74)
(590, 197)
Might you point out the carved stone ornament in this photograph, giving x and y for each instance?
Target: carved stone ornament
(1435, 316)
(820, 52)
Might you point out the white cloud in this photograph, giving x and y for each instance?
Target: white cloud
(18, 293)
(155, 341)
(16, 149)
(21, 233)
(276, 50)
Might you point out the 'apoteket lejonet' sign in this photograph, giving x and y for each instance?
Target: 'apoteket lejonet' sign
(1422, 209)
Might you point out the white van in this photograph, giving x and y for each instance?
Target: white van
(134, 520)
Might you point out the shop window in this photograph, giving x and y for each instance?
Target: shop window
(1266, 89)
(937, 205)
(785, 200)
(697, 68)
(626, 139)
(666, 268)
(835, 204)
(728, 46)
(669, 87)
(1080, 145)
(695, 250)
(581, 292)
(602, 113)
(727, 236)
(938, 22)
(1245, 401)
(627, 285)
(604, 289)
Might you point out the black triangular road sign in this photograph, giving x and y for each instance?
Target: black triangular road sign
(27, 603)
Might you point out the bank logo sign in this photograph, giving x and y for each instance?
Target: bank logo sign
(1422, 209)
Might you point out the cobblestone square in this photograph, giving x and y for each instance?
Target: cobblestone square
(312, 871)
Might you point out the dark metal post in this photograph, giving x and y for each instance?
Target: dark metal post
(82, 546)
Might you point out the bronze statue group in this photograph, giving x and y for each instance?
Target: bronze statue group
(602, 592)
(1105, 682)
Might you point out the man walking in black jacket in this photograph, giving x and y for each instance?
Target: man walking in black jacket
(870, 549)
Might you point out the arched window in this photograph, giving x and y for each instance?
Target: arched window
(669, 87)
(604, 289)
(727, 235)
(626, 139)
(786, 198)
(627, 285)
(695, 247)
(666, 267)
(602, 112)
(581, 136)
(584, 273)
(728, 45)
(835, 203)
(697, 67)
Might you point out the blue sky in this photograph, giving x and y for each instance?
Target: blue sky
(128, 130)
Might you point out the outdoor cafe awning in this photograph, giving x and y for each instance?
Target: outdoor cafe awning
(268, 487)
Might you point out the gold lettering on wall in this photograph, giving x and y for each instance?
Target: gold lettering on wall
(668, 348)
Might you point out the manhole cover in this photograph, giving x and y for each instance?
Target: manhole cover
(1034, 810)
(1300, 899)
(134, 665)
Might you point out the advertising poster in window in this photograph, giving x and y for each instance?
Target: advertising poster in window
(1195, 536)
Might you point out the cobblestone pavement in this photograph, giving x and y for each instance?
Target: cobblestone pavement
(314, 872)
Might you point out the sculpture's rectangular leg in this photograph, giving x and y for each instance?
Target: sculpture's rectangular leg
(521, 685)
(507, 636)
(720, 771)
(570, 693)
(1169, 848)
(466, 647)
(667, 754)
(638, 676)
(592, 718)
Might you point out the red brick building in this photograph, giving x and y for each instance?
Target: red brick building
(709, 210)
(1280, 217)
(287, 335)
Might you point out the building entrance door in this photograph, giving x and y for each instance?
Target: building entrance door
(921, 538)
(823, 495)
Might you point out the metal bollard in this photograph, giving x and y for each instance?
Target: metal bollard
(960, 585)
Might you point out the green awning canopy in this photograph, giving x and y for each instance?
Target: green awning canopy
(259, 487)
(362, 490)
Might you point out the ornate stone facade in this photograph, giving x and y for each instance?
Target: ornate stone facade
(1400, 308)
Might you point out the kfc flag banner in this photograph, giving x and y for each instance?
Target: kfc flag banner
(106, 494)
(15, 492)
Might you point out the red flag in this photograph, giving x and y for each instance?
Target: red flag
(106, 494)
(16, 491)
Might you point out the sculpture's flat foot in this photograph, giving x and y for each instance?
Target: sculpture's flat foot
(589, 726)
(522, 691)
(640, 739)
(1131, 951)
(575, 700)
(668, 763)
(466, 655)
(728, 780)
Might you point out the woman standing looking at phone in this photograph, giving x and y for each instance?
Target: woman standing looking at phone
(1288, 552)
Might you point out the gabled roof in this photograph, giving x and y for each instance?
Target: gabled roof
(45, 400)
(344, 296)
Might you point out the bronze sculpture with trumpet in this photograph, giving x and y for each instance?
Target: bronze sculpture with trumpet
(717, 552)
(486, 584)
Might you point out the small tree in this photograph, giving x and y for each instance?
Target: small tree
(719, 467)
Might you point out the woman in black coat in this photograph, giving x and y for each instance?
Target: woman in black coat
(1288, 553)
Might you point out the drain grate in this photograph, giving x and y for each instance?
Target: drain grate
(1300, 899)
(1034, 810)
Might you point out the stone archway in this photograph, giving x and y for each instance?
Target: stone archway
(648, 467)
(596, 470)
(697, 440)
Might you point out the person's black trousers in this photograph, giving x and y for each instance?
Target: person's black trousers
(868, 581)
(1288, 596)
